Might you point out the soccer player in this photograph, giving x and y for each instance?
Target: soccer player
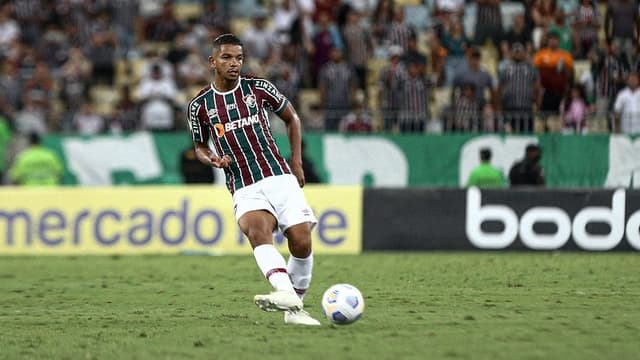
(267, 194)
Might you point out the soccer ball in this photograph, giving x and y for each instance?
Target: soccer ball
(342, 304)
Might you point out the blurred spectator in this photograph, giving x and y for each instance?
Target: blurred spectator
(608, 77)
(180, 49)
(163, 27)
(87, 122)
(574, 111)
(438, 55)
(392, 77)
(359, 46)
(337, 83)
(10, 85)
(75, 77)
(36, 165)
(414, 55)
(359, 119)
(154, 57)
(556, 73)
(324, 41)
(325, 6)
(157, 96)
(519, 91)
(485, 175)
(102, 54)
(627, 107)
(125, 16)
(543, 13)
(39, 88)
(465, 112)
(517, 34)
(398, 32)
(528, 171)
(456, 44)
(473, 73)
(342, 9)
(258, 39)
(285, 75)
(587, 23)
(9, 30)
(193, 171)
(489, 121)
(54, 46)
(32, 116)
(193, 70)
(413, 112)
(622, 24)
(126, 112)
(381, 20)
(488, 22)
(215, 19)
(449, 10)
(567, 36)
(293, 24)
(31, 16)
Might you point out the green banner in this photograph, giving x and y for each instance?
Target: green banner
(372, 160)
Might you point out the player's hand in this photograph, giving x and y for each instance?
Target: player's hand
(298, 173)
(220, 162)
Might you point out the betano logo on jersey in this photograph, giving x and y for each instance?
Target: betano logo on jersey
(245, 121)
(221, 129)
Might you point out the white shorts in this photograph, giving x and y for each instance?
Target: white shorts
(280, 195)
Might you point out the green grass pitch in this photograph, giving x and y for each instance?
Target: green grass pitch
(418, 306)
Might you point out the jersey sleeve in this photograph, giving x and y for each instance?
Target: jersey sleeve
(275, 100)
(196, 118)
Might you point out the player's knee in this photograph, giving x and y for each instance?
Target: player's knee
(300, 248)
(259, 236)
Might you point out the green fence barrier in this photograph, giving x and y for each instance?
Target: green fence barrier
(375, 160)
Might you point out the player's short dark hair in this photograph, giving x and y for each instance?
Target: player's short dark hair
(226, 39)
(532, 148)
(485, 154)
(34, 138)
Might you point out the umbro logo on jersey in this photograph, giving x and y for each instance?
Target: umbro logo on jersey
(212, 113)
(250, 100)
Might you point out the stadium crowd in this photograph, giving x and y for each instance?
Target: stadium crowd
(97, 66)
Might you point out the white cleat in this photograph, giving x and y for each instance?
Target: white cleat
(280, 300)
(299, 317)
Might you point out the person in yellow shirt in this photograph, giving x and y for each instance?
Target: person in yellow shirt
(36, 165)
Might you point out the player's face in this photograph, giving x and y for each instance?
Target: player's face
(227, 61)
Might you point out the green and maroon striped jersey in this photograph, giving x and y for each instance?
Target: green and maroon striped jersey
(237, 122)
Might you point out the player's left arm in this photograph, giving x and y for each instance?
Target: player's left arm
(294, 132)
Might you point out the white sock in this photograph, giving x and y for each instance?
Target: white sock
(300, 272)
(273, 267)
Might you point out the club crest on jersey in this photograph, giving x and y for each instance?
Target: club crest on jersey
(219, 129)
(212, 113)
(250, 100)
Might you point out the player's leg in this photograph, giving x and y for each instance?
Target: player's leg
(300, 267)
(296, 219)
(258, 226)
(300, 264)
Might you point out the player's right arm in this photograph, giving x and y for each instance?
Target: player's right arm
(207, 157)
(196, 118)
